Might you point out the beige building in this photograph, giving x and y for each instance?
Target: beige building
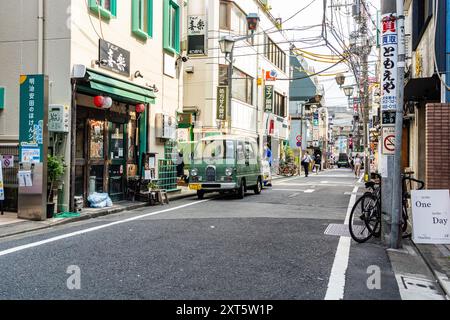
(129, 51)
(254, 60)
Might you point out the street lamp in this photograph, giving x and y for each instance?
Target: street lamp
(348, 91)
(340, 79)
(226, 45)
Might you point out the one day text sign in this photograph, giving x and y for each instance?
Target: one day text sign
(430, 209)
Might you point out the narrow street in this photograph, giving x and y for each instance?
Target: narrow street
(268, 246)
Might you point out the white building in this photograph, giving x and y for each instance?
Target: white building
(254, 59)
(132, 51)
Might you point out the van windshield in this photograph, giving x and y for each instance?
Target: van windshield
(215, 151)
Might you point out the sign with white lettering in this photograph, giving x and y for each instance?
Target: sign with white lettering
(430, 210)
(197, 35)
(389, 47)
(114, 58)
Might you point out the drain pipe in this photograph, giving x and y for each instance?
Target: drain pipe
(40, 37)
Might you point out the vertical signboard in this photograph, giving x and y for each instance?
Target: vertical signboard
(222, 103)
(389, 47)
(196, 35)
(268, 96)
(33, 142)
(31, 133)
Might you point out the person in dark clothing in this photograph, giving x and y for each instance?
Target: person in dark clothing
(305, 163)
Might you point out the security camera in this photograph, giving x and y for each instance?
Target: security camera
(184, 59)
(104, 62)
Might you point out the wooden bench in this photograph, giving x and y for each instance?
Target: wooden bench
(158, 197)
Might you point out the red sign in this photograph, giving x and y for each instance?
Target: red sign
(389, 143)
(271, 127)
(271, 75)
(388, 25)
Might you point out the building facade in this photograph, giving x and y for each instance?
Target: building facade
(260, 83)
(115, 67)
(426, 135)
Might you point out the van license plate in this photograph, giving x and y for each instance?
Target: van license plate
(195, 186)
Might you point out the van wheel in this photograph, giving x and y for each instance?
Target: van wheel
(200, 194)
(258, 187)
(241, 191)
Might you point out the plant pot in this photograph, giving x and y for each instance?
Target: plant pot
(50, 210)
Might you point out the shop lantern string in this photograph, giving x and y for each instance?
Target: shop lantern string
(103, 102)
(140, 108)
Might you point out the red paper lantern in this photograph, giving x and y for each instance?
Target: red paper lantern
(99, 101)
(140, 108)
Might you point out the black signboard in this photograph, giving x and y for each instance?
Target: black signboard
(388, 117)
(196, 44)
(114, 58)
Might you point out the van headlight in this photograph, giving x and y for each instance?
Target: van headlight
(194, 172)
(229, 172)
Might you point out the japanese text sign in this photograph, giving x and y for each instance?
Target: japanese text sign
(32, 99)
(389, 47)
(268, 94)
(222, 103)
(114, 58)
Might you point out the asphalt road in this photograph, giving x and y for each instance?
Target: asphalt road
(268, 246)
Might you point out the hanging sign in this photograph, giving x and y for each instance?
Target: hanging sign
(7, 161)
(114, 58)
(31, 131)
(431, 216)
(389, 47)
(388, 140)
(196, 35)
(268, 95)
(222, 103)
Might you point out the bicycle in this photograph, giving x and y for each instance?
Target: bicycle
(287, 169)
(365, 217)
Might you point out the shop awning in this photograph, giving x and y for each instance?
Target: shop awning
(97, 83)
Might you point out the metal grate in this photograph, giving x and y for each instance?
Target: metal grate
(167, 168)
(340, 230)
(210, 174)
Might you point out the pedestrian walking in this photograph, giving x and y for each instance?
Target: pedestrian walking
(318, 163)
(306, 160)
(357, 163)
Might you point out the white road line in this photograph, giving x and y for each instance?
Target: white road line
(73, 234)
(336, 284)
(293, 190)
(293, 195)
(309, 191)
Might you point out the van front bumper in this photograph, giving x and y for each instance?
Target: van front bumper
(213, 186)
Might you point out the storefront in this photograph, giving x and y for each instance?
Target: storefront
(110, 139)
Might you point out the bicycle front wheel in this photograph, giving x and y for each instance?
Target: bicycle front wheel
(364, 221)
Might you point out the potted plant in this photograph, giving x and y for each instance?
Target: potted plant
(55, 170)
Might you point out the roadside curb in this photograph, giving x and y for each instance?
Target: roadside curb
(87, 216)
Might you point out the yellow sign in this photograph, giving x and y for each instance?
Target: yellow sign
(195, 186)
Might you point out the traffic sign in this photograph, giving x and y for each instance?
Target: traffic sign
(299, 138)
(388, 140)
(299, 144)
(7, 161)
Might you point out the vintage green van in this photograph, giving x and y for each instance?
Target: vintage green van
(226, 163)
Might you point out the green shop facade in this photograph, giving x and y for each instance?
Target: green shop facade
(110, 143)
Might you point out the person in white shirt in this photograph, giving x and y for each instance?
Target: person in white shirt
(357, 163)
(305, 162)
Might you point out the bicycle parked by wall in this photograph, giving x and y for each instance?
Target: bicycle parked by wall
(365, 217)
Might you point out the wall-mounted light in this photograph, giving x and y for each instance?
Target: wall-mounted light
(189, 69)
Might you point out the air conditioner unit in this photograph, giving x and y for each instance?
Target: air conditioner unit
(166, 126)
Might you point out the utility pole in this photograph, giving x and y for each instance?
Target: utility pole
(365, 51)
(396, 236)
(389, 104)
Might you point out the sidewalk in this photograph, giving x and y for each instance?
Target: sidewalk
(437, 258)
(10, 225)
